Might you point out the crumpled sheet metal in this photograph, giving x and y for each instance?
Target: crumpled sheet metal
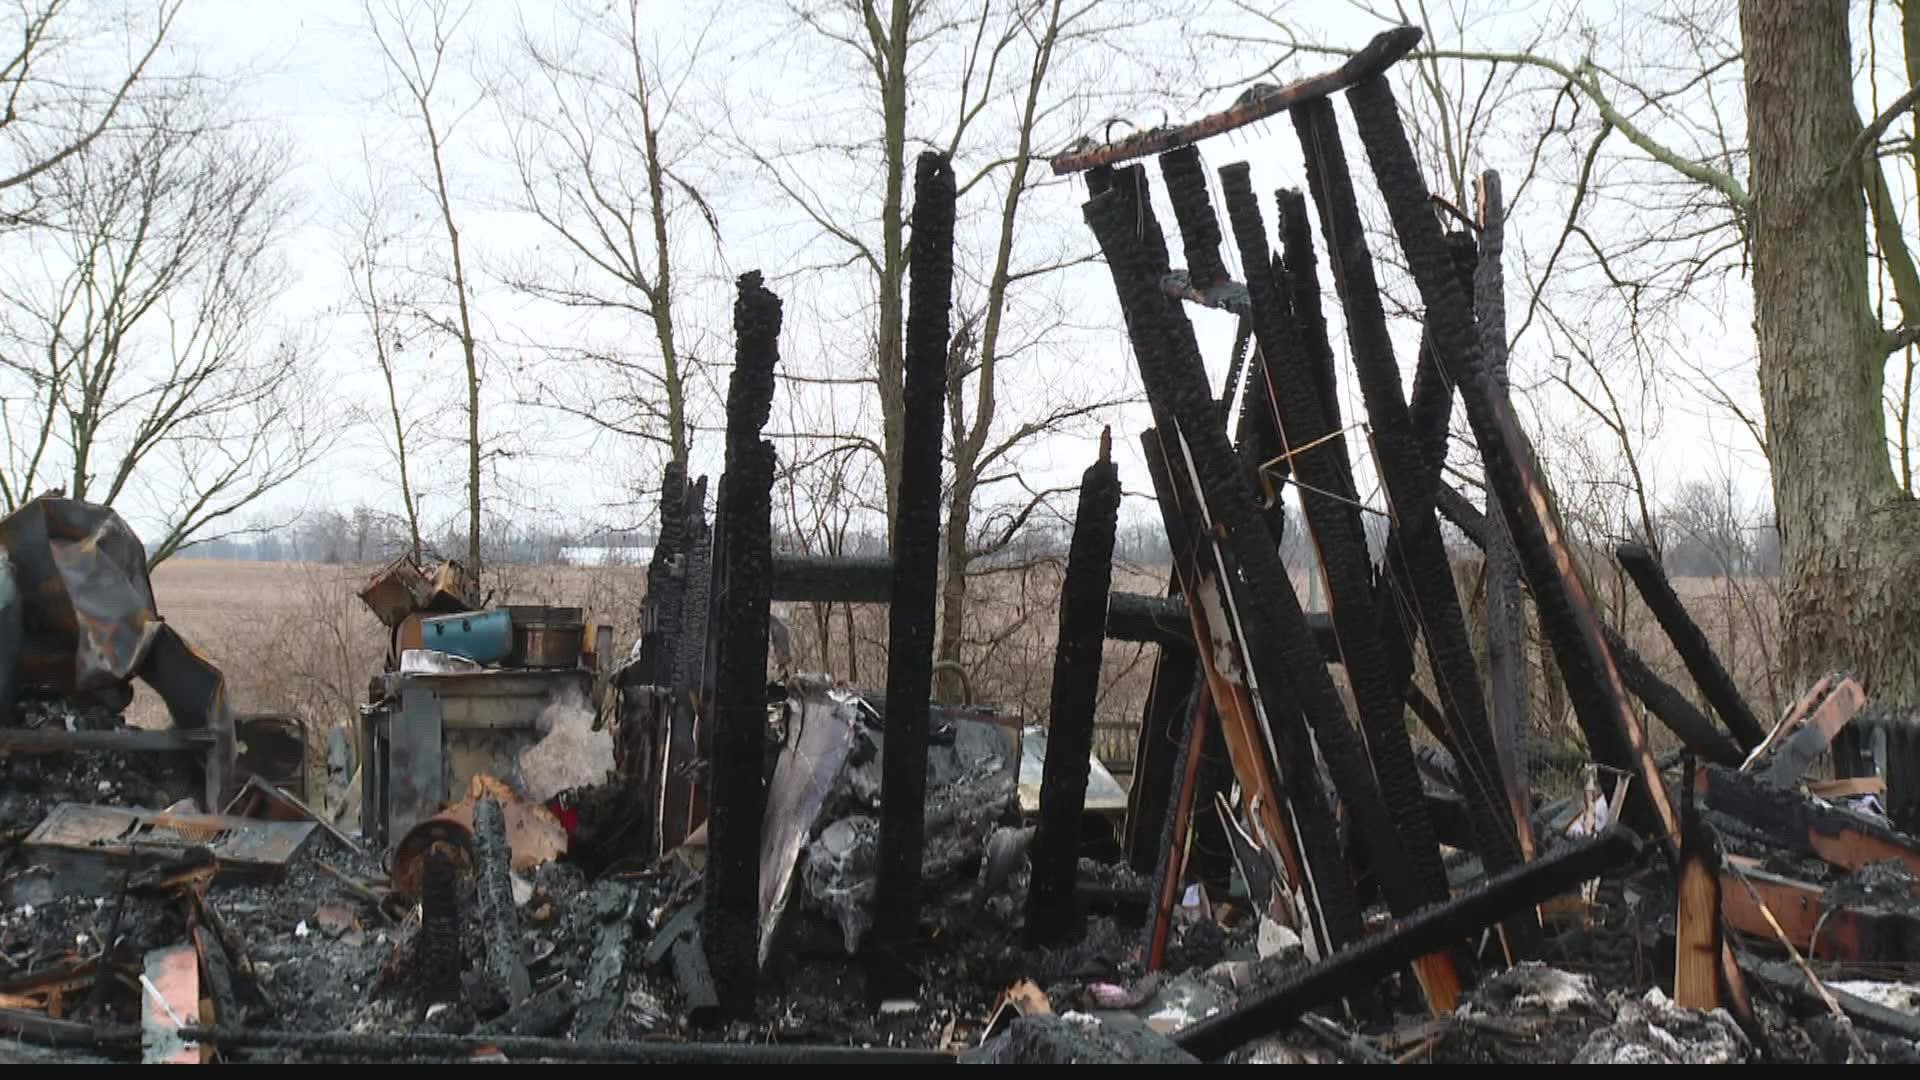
(821, 725)
(89, 614)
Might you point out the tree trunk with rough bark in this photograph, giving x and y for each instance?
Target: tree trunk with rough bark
(1850, 537)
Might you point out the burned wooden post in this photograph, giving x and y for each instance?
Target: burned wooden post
(1278, 645)
(505, 967)
(1613, 732)
(1051, 912)
(1417, 545)
(1643, 566)
(1410, 871)
(916, 557)
(730, 932)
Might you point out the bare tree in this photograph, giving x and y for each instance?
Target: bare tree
(416, 38)
(603, 140)
(142, 363)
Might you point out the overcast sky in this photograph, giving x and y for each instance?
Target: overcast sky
(309, 67)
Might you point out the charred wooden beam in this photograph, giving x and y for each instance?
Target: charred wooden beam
(128, 741)
(1276, 642)
(1152, 620)
(666, 580)
(505, 966)
(1790, 982)
(737, 773)
(1417, 546)
(437, 952)
(426, 1046)
(1360, 967)
(1051, 912)
(1331, 502)
(1156, 753)
(683, 795)
(1643, 566)
(1799, 824)
(916, 555)
(1613, 732)
(835, 581)
(1256, 104)
(1186, 181)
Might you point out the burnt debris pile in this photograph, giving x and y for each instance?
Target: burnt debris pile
(1330, 849)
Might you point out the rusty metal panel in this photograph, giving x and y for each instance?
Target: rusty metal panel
(88, 847)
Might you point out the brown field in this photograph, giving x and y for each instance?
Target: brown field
(294, 638)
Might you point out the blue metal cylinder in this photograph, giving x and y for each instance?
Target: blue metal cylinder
(485, 637)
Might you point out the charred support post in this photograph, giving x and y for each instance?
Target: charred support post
(1408, 862)
(437, 953)
(1273, 633)
(499, 921)
(1506, 619)
(1051, 912)
(1418, 547)
(1357, 968)
(1643, 566)
(1613, 732)
(730, 931)
(1193, 212)
(916, 557)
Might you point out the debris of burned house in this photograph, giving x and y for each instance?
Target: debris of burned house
(755, 855)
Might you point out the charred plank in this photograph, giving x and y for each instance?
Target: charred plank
(830, 580)
(916, 554)
(1643, 566)
(506, 968)
(1051, 912)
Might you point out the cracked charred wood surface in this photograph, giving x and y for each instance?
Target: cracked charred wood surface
(1790, 820)
(666, 580)
(1051, 911)
(1424, 573)
(1506, 619)
(916, 558)
(737, 775)
(1277, 643)
(1358, 968)
(437, 960)
(1331, 503)
(1376, 56)
(1661, 698)
(499, 920)
(1153, 620)
(1614, 734)
(1643, 566)
(1193, 211)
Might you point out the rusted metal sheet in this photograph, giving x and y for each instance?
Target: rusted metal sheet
(89, 846)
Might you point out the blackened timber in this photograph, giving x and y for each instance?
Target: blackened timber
(1613, 733)
(730, 929)
(1193, 212)
(666, 579)
(1415, 540)
(1300, 274)
(1660, 697)
(1360, 967)
(1178, 825)
(1805, 826)
(1278, 645)
(682, 802)
(1643, 566)
(417, 1044)
(1051, 911)
(1330, 500)
(1376, 56)
(1152, 620)
(1506, 629)
(1787, 979)
(1150, 792)
(835, 581)
(506, 968)
(916, 557)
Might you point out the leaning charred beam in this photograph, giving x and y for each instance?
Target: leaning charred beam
(1051, 911)
(1417, 546)
(730, 931)
(916, 558)
(1660, 697)
(1152, 620)
(1360, 967)
(834, 581)
(1199, 227)
(1330, 500)
(1613, 733)
(1299, 273)
(1293, 679)
(1695, 650)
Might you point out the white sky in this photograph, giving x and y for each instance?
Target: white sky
(314, 72)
